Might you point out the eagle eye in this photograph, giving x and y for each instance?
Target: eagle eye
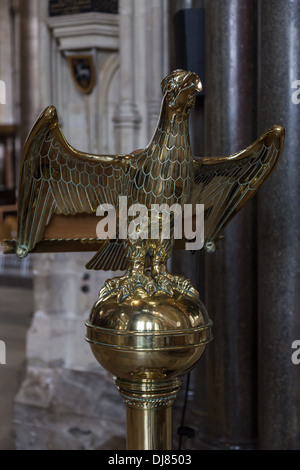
(171, 86)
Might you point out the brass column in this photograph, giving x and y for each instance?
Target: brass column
(149, 409)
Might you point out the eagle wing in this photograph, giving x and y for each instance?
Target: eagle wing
(57, 179)
(225, 184)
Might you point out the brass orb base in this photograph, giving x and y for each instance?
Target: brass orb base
(148, 344)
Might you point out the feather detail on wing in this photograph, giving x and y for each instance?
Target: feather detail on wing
(111, 257)
(225, 184)
(57, 179)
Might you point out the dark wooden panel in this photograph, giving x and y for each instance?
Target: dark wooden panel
(71, 7)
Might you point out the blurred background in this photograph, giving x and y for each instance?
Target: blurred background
(100, 62)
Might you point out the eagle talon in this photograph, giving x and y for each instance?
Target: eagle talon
(151, 288)
(165, 283)
(124, 286)
(187, 288)
(168, 283)
(109, 286)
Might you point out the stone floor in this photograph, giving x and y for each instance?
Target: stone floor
(16, 307)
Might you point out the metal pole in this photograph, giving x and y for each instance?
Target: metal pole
(149, 413)
(155, 429)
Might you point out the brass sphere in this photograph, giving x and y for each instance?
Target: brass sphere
(159, 337)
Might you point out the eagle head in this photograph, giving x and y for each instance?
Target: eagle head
(180, 89)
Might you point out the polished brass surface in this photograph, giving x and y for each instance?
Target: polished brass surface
(154, 428)
(148, 327)
(58, 179)
(148, 344)
(148, 338)
(149, 409)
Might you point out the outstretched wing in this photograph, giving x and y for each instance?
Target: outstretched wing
(225, 184)
(57, 179)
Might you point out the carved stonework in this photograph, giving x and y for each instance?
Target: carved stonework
(82, 69)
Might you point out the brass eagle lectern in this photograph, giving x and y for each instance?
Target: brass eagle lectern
(148, 327)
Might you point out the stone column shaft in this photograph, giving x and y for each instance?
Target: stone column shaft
(7, 94)
(127, 117)
(155, 37)
(230, 126)
(29, 47)
(279, 229)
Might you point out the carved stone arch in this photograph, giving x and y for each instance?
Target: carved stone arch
(108, 98)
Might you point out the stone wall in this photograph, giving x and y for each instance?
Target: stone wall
(66, 401)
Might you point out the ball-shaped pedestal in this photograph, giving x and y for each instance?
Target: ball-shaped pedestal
(148, 344)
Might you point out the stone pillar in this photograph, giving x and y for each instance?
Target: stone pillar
(159, 69)
(127, 117)
(7, 64)
(29, 72)
(143, 64)
(151, 63)
(230, 282)
(279, 229)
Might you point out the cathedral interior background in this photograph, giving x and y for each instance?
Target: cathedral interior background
(100, 63)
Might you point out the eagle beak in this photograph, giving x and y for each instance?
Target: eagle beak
(198, 85)
(193, 82)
